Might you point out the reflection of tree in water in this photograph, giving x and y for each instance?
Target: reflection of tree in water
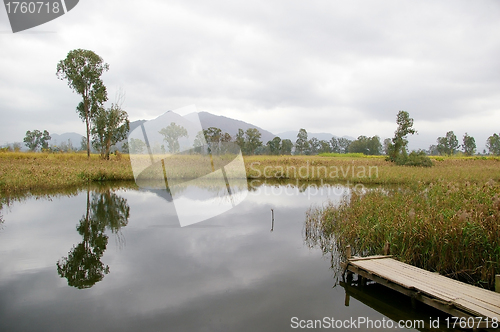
(3, 201)
(83, 267)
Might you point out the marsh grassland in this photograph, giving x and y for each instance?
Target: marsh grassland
(448, 227)
(21, 172)
(36, 172)
(371, 169)
(445, 218)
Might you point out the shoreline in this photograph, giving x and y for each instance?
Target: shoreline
(21, 172)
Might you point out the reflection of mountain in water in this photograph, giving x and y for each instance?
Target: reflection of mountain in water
(162, 193)
(194, 192)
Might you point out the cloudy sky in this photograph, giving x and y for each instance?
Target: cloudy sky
(343, 67)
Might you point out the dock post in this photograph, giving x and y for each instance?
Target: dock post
(272, 220)
(413, 302)
(347, 299)
(497, 283)
(348, 254)
(387, 248)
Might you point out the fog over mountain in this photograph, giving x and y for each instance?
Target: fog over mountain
(292, 136)
(226, 124)
(230, 125)
(74, 138)
(340, 67)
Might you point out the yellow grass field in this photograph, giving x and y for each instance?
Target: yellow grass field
(21, 172)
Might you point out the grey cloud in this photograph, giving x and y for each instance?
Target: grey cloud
(330, 64)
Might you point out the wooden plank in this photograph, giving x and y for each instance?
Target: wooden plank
(430, 282)
(456, 291)
(429, 301)
(485, 308)
(445, 283)
(357, 258)
(441, 292)
(440, 277)
(422, 298)
(475, 308)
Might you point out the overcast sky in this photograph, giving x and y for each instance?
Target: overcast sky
(343, 67)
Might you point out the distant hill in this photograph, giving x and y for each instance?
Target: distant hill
(136, 124)
(74, 138)
(292, 135)
(226, 124)
(231, 126)
(207, 120)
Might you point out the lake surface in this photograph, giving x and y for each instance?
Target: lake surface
(116, 259)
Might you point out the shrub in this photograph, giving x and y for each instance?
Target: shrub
(418, 158)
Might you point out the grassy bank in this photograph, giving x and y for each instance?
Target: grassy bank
(371, 170)
(449, 227)
(21, 172)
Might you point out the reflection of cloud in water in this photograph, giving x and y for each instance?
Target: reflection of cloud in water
(235, 278)
(303, 194)
(198, 200)
(201, 199)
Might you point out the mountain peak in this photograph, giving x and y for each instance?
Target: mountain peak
(230, 125)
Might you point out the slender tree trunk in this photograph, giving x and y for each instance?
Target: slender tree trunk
(86, 233)
(108, 147)
(88, 137)
(86, 107)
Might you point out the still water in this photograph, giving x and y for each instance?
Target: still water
(116, 259)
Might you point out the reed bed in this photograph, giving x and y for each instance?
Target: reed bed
(350, 155)
(449, 227)
(371, 170)
(21, 172)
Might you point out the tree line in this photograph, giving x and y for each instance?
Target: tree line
(82, 69)
(449, 145)
(250, 142)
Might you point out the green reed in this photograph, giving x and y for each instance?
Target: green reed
(21, 172)
(448, 227)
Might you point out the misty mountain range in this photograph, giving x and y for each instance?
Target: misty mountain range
(74, 138)
(207, 120)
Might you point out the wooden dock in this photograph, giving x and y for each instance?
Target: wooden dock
(451, 296)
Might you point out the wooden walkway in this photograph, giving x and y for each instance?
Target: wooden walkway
(454, 297)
